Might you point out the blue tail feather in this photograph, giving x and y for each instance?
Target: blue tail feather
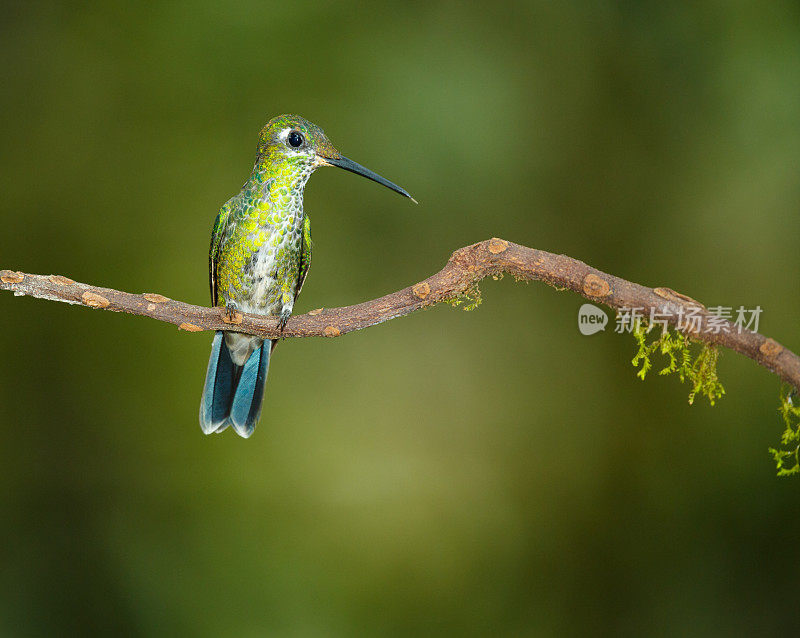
(246, 405)
(213, 414)
(233, 395)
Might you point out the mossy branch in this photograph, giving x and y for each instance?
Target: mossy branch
(456, 281)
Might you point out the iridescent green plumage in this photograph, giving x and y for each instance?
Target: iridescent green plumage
(259, 258)
(257, 246)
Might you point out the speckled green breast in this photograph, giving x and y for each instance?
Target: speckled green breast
(259, 256)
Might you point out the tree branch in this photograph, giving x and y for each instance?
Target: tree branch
(465, 268)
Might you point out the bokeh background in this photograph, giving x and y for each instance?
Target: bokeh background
(450, 473)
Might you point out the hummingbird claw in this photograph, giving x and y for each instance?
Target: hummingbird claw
(230, 310)
(283, 319)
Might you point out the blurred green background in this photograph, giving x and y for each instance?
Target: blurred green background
(450, 473)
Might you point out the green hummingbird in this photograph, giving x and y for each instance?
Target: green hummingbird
(259, 258)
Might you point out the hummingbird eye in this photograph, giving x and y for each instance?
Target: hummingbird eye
(295, 139)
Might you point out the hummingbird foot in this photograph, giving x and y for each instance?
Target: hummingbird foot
(283, 319)
(230, 310)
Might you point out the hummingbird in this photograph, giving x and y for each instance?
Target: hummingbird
(259, 258)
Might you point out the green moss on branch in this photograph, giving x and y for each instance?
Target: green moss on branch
(690, 360)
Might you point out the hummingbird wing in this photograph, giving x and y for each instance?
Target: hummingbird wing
(305, 257)
(217, 234)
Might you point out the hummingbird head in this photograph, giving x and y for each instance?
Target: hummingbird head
(296, 143)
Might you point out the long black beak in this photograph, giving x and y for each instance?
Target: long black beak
(353, 167)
